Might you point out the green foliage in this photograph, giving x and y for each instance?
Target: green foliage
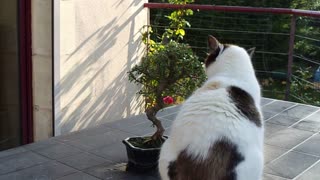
(180, 1)
(176, 20)
(169, 68)
(177, 24)
(271, 35)
(306, 4)
(172, 70)
(302, 89)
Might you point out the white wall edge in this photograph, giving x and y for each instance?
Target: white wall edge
(56, 68)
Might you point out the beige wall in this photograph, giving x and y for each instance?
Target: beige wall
(99, 43)
(42, 68)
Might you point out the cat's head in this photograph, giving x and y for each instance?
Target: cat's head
(224, 58)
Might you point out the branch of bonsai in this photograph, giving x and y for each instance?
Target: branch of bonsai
(151, 114)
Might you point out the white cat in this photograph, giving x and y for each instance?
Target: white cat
(218, 133)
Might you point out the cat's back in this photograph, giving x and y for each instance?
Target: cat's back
(214, 113)
(205, 101)
(212, 103)
(211, 134)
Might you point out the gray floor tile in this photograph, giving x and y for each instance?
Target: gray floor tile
(283, 120)
(41, 144)
(78, 176)
(141, 129)
(12, 151)
(20, 161)
(277, 107)
(267, 115)
(46, 171)
(265, 101)
(127, 122)
(311, 123)
(311, 146)
(96, 130)
(132, 124)
(311, 174)
(58, 151)
(300, 111)
(11, 176)
(314, 117)
(118, 172)
(100, 140)
(271, 129)
(272, 177)
(169, 116)
(312, 126)
(147, 128)
(166, 123)
(92, 131)
(107, 171)
(113, 152)
(290, 165)
(105, 155)
(83, 160)
(167, 131)
(272, 152)
(167, 111)
(287, 138)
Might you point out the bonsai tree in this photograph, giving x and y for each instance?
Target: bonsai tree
(168, 73)
(171, 72)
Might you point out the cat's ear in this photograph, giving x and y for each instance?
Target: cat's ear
(213, 43)
(251, 51)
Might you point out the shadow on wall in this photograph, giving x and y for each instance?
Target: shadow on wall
(89, 93)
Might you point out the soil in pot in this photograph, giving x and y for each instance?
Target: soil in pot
(146, 142)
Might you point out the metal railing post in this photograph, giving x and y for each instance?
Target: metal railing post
(290, 55)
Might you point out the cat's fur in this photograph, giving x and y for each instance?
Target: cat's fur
(218, 133)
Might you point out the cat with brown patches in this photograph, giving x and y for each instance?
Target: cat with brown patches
(218, 133)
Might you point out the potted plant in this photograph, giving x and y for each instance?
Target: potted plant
(169, 72)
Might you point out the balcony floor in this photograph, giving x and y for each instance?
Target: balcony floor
(292, 148)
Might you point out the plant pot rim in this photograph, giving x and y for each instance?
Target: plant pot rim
(127, 143)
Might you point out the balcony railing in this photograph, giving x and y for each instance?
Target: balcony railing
(287, 57)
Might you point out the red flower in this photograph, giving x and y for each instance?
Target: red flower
(168, 100)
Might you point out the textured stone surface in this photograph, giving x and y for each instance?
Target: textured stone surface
(78, 176)
(312, 173)
(83, 160)
(20, 161)
(290, 165)
(50, 170)
(288, 138)
(311, 146)
(291, 150)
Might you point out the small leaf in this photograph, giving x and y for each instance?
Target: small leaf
(180, 32)
(189, 12)
(188, 24)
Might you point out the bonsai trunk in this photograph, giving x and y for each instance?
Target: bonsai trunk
(152, 111)
(151, 114)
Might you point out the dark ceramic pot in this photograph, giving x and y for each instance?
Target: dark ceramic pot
(140, 159)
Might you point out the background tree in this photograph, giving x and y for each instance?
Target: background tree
(268, 33)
